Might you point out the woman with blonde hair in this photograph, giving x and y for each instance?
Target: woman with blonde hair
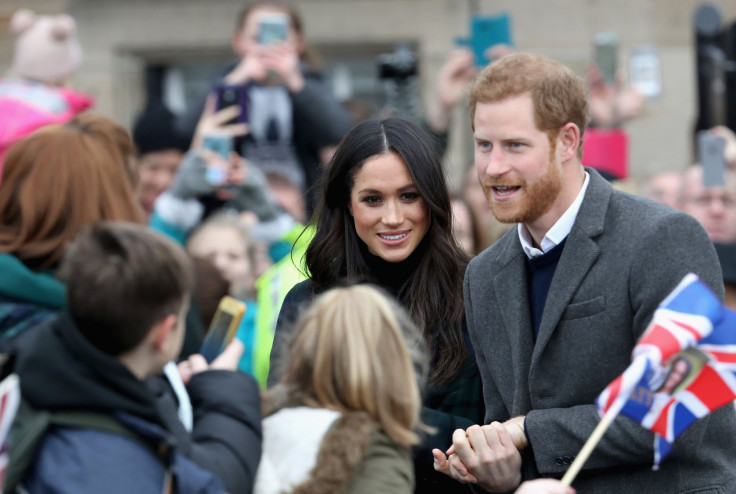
(54, 182)
(346, 410)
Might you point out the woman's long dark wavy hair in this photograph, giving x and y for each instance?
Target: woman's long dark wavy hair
(433, 293)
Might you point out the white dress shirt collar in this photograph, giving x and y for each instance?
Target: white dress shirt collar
(559, 230)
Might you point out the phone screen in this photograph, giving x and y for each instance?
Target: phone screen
(644, 70)
(606, 55)
(218, 337)
(711, 156)
(274, 28)
(222, 144)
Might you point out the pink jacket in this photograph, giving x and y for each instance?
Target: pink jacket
(27, 105)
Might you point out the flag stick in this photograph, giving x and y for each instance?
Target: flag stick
(587, 449)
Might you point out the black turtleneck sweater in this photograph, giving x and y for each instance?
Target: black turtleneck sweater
(456, 404)
(391, 276)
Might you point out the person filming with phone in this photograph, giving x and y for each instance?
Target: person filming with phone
(291, 114)
(713, 206)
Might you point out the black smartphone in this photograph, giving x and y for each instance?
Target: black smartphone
(233, 96)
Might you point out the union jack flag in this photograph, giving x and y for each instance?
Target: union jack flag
(9, 402)
(683, 368)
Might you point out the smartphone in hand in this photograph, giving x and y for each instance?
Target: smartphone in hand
(222, 144)
(645, 73)
(226, 96)
(711, 155)
(273, 28)
(487, 31)
(606, 55)
(223, 327)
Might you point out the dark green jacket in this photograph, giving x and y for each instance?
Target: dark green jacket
(456, 405)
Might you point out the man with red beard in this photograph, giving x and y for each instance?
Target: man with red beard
(555, 307)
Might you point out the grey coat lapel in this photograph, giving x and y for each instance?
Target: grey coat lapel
(579, 254)
(510, 286)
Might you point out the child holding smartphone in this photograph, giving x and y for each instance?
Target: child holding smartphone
(345, 413)
(224, 240)
(127, 296)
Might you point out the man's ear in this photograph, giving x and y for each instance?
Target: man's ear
(162, 331)
(568, 140)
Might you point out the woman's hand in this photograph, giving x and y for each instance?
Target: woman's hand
(213, 121)
(283, 59)
(250, 68)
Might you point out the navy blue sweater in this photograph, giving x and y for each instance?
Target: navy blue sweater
(540, 271)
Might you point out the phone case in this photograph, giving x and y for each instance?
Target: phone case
(487, 31)
(710, 154)
(233, 96)
(223, 327)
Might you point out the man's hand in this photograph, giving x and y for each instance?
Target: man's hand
(486, 456)
(515, 428)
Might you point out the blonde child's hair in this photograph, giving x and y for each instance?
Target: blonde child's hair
(355, 350)
(229, 220)
(224, 219)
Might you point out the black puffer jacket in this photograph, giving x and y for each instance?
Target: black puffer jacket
(60, 369)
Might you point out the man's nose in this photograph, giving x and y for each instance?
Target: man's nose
(496, 163)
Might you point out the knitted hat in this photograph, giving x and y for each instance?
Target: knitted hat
(47, 49)
(155, 130)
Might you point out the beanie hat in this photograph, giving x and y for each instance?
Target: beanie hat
(47, 49)
(155, 130)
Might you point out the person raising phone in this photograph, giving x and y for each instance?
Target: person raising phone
(292, 115)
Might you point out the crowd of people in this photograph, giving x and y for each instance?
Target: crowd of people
(398, 336)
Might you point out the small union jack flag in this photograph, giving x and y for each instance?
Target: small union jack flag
(683, 368)
(9, 402)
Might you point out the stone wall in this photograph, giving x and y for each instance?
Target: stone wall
(120, 37)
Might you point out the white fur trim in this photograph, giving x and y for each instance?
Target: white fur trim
(182, 213)
(291, 442)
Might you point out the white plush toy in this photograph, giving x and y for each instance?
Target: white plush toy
(47, 49)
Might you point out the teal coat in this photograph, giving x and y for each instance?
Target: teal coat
(27, 298)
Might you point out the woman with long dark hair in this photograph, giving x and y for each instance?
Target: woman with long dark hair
(384, 217)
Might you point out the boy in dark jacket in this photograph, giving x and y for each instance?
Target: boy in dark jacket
(127, 296)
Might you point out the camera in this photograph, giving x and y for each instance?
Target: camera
(399, 65)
